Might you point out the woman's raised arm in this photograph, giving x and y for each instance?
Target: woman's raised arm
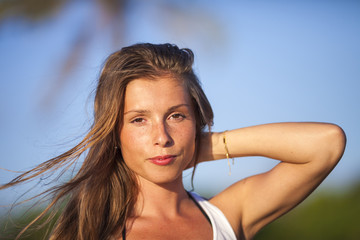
(307, 153)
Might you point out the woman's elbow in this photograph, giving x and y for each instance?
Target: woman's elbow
(335, 141)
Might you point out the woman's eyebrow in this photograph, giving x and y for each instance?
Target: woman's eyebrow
(141, 111)
(137, 111)
(177, 106)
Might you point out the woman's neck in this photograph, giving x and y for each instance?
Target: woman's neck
(164, 200)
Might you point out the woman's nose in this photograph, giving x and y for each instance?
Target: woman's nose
(161, 135)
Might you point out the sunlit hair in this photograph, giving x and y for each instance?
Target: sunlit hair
(100, 197)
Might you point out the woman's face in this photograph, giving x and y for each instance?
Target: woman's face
(158, 133)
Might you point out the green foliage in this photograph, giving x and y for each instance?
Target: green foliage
(10, 227)
(330, 216)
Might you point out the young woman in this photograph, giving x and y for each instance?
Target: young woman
(149, 121)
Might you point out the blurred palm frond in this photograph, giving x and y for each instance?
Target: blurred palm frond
(107, 18)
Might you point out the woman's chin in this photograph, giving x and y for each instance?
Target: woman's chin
(164, 179)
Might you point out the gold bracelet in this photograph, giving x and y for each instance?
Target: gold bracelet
(227, 152)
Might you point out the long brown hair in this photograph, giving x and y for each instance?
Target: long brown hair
(101, 195)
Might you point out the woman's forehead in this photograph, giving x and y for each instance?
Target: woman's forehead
(160, 92)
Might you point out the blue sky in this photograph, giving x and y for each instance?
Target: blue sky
(259, 62)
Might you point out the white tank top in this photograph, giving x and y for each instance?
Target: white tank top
(222, 229)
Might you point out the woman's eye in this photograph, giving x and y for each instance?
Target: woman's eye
(177, 116)
(138, 120)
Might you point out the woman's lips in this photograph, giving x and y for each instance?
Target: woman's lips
(162, 160)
